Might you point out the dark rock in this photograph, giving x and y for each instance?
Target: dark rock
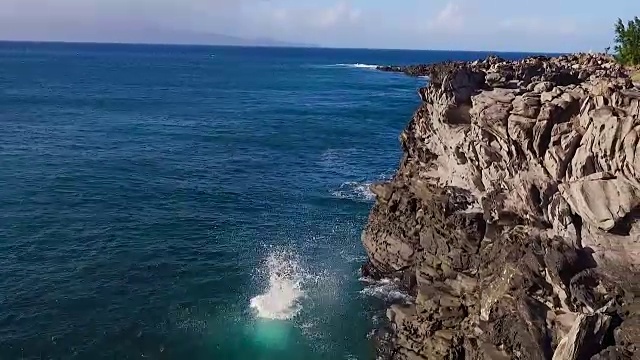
(614, 353)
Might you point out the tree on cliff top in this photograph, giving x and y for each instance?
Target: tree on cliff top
(628, 42)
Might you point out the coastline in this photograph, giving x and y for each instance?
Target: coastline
(512, 216)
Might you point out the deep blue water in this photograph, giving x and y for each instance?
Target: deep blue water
(148, 193)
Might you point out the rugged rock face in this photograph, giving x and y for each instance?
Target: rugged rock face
(513, 216)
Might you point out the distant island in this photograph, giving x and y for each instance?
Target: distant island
(180, 37)
(164, 36)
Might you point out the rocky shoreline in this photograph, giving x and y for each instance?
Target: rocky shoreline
(411, 70)
(512, 218)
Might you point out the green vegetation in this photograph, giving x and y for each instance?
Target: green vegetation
(628, 42)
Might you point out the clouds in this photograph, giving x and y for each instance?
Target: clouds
(137, 20)
(302, 16)
(549, 26)
(103, 12)
(340, 13)
(450, 18)
(444, 24)
(541, 26)
(329, 23)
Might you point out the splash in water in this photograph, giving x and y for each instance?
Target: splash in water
(281, 300)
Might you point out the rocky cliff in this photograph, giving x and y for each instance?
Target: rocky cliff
(513, 217)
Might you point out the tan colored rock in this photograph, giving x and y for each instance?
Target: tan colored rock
(527, 105)
(495, 290)
(586, 334)
(513, 217)
(383, 192)
(549, 96)
(491, 352)
(401, 313)
(619, 250)
(600, 200)
(520, 130)
(564, 142)
(559, 214)
(543, 87)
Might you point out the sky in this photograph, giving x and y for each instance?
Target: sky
(499, 25)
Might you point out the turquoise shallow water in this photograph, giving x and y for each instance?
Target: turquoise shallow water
(149, 193)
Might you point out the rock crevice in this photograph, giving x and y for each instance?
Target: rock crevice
(512, 216)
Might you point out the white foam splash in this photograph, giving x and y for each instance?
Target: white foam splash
(281, 300)
(351, 256)
(359, 66)
(353, 190)
(385, 289)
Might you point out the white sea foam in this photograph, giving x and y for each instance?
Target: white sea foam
(359, 190)
(385, 289)
(355, 191)
(351, 256)
(359, 66)
(281, 299)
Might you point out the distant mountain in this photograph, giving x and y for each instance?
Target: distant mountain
(271, 42)
(140, 35)
(196, 38)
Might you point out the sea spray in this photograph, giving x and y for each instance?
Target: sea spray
(360, 190)
(384, 289)
(281, 299)
(360, 66)
(353, 190)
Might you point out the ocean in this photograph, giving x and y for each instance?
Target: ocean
(194, 202)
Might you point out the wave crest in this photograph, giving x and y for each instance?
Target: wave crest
(358, 66)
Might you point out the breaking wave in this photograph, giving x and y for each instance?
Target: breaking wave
(358, 66)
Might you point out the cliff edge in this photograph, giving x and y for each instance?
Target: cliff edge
(513, 217)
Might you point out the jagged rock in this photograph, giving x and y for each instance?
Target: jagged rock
(520, 130)
(495, 80)
(549, 96)
(512, 219)
(560, 215)
(562, 147)
(543, 86)
(619, 247)
(383, 192)
(527, 105)
(614, 353)
(628, 334)
(584, 339)
(491, 352)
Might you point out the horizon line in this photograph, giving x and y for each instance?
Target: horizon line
(283, 46)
